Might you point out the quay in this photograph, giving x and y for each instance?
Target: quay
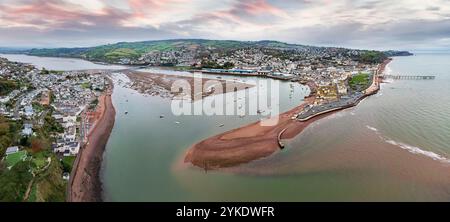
(248, 73)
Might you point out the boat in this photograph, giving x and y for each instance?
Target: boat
(177, 122)
(221, 125)
(161, 116)
(126, 112)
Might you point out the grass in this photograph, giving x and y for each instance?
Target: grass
(86, 85)
(14, 158)
(38, 107)
(33, 194)
(67, 162)
(40, 161)
(122, 53)
(360, 81)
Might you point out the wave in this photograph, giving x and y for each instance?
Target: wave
(409, 148)
(417, 150)
(372, 128)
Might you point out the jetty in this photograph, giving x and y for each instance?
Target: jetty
(404, 77)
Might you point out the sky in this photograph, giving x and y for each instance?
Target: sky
(366, 24)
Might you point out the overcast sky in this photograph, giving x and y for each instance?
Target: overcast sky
(370, 24)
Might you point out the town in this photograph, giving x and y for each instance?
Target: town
(327, 71)
(46, 116)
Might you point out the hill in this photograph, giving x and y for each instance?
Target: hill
(176, 51)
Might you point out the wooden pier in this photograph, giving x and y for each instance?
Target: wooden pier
(400, 77)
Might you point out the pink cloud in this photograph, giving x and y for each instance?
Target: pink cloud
(147, 8)
(49, 14)
(258, 7)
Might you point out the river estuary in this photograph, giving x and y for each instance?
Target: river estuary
(394, 146)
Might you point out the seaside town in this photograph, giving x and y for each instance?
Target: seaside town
(271, 102)
(45, 118)
(48, 115)
(326, 71)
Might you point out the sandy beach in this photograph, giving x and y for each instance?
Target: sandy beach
(253, 141)
(84, 184)
(156, 84)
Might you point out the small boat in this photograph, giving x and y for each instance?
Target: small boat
(219, 77)
(221, 125)
(126, 112)
(177, 122)
(161, 116)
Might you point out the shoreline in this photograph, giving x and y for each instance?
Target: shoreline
(253, 141)
(84, 183)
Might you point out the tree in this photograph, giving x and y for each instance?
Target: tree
(14, 182)
(7, 86)
(372, 57)
(44, 71)
(37, 145)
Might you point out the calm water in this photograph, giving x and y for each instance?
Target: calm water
(61, 64)
(394, 146)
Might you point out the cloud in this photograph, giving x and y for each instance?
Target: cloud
(350, 23)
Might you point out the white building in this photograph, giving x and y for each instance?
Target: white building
(27, 129)
(11, 150)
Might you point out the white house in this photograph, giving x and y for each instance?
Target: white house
(11, 150)
(29, 111)
(68, 149)
(27, 129)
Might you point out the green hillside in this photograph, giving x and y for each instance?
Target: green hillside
(115, 53)
(133, 50)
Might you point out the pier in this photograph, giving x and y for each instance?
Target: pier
(400, 77)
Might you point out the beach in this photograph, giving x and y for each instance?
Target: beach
(156, 84)
(84, 184)
(254, 141)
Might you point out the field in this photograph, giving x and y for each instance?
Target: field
(360, 81)
(121, 53)
(14, 158)
(86, 85)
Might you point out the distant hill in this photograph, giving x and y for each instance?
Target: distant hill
(132, 52)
